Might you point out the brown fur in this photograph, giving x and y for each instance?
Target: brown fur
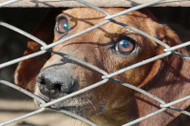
(112, 104)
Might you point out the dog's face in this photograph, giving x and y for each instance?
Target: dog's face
(110, 47)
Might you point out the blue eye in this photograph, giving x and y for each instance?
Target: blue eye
(66, 26)
(62, 25)
(125, 45)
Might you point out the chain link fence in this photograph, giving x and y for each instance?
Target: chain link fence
(105, 76)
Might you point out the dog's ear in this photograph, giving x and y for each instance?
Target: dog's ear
(168, 36)
(27, 70)
(169, 80)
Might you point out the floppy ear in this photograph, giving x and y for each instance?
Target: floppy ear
(27, 70)
(169, 81)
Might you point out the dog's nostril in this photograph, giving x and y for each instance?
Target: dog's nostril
(58, 87)
(43, 81)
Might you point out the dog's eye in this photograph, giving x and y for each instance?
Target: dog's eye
(62, 25)
(125, 45)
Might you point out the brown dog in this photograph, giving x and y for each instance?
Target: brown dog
(111, 48)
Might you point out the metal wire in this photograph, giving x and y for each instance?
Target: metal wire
(92, 6)
(76, 116)
(178, 46)
(23, 117)
(133, 9)
(22, 33)
(75, 93)
(138, 64)
(8, 2)
(21, 59)
(105, 76)
(22, 90)
(144, 117)
(73, 36)
(175, 102)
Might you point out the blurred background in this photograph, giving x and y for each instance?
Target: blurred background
(12, 45)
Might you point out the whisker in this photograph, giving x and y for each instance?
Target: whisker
(92, 104)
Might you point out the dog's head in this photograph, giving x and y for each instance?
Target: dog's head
(110, 47)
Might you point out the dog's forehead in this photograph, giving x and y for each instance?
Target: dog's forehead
(92, 13)
(83, 18)
(87, 17)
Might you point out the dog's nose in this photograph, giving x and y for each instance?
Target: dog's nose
(55, 82)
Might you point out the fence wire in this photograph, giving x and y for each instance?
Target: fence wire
(105, 76)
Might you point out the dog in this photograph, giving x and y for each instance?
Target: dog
(110, 47)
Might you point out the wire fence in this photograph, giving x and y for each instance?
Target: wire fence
(105, 76)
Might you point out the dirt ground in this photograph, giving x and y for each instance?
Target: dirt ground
(17, 105)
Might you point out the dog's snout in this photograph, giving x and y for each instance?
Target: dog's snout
(55, 82)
